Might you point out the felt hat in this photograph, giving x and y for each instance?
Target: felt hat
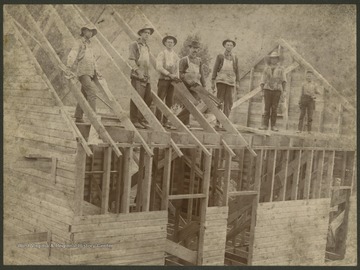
(169, 37)
(228, 40)
(146, 27)
(194, 44)
(273, 55)
(90, 27)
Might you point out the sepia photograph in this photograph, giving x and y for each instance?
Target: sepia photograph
(179, 134)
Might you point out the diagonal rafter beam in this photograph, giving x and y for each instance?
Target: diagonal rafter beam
(104, 135)
(64, 114)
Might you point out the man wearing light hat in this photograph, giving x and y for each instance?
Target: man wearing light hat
(167, 63)
(226, 76)
(272, 83)
(192, 74)
(82, 54)
(139, 60)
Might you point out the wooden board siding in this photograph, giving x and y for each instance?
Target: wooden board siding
(291, 232)
(215, 235)
(351, 238)
(135, 238)
(38, 194)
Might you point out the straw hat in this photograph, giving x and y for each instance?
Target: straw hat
(169, 37)
(228, 40)
(146, 27)
(90, 27)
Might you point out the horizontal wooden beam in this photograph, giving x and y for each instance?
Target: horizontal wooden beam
(186, 196)
(27, 238)
(243, 193)
(180, 251)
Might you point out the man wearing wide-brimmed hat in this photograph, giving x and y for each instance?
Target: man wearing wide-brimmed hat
(192, 74)
(226, 76)
(167, 63)
(273, 82)
(82, 54)
(139, 60)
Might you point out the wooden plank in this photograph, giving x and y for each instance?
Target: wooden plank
(147, 183)
(272, 175)
(125, 200)
(105, 187)
(186, 196)
(191, 183)
(308, 174)
(296, 176)
(330, 174)
(166, 179)
(203, 208)
(141, 216)
(251, 81)
(180, 251)
(227, 178)
(140, 177)
(319, 175)
(27, 238)
(285, 178)
(80, 162)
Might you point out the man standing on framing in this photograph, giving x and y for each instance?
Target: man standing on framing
(139, 60)
(273, 82)
(82, 54)
(167, 64)
(192, 74)
(309, 90)
(226, 74)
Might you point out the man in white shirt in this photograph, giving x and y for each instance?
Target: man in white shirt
(82, 55)
(167, 63)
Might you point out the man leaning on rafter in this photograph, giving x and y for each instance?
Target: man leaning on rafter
(82, 55)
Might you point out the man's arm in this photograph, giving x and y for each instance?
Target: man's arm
(73, 54)
(159, 64)
(263, 79)
(133, 51)
(216, 68)
(202, 78)
(182, 68)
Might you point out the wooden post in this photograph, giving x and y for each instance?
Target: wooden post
(308, 173)
(166, 179)
(272, 175)
(284, 182)
(203, 208)
(154, 181)
(80, 180)
(251, 81)
(319, 175)
(330, 173)
(343, 169)
(105, 187)
(119, 185)
(296, 176)
(125, 200)
(353, 178)
(139, 190)
(215, 173)
(227, 175)
(147, 183)
(191, 183)
(239, 181)
(255, 202)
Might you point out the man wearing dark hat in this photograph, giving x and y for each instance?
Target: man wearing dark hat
(273, 82)
(167, 65)
(82, 54)
(226, 76)
(139, 60)
(192, 74)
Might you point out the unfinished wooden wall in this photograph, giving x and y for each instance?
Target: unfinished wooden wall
(215, 235)
(38, 192)
(135, 238)
(329, 115)
(351, 238)
(291, 232)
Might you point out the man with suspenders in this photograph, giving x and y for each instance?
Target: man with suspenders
(82, 54)
(226, 76)
(139, 60)
(192, 74)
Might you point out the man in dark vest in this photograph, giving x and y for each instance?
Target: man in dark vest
(273, 82)
(192, 74)
(226, 76)
(139, 60)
